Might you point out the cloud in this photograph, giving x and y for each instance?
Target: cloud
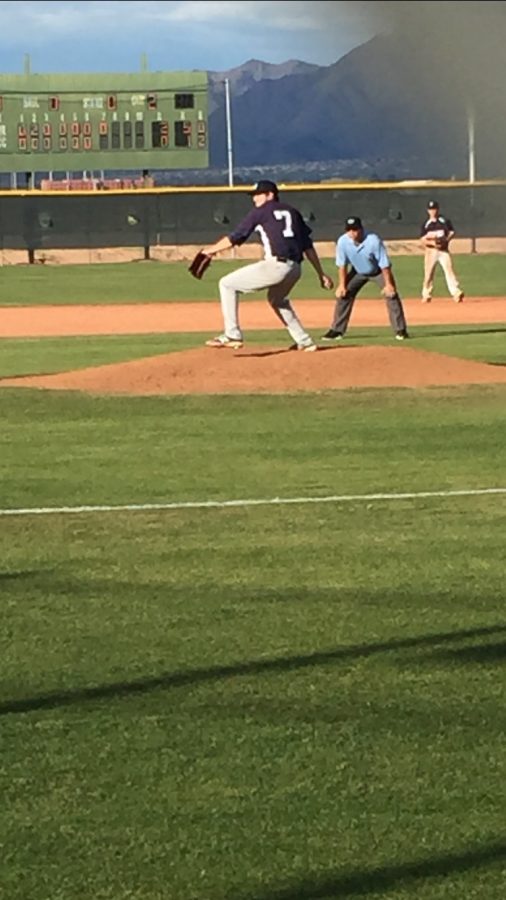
(50, 20)
(185, 34)
(55, 18)
(295, 16)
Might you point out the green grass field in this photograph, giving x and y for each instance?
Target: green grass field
(143, 282)
(256, 702)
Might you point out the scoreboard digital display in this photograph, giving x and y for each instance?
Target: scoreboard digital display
(145, 120)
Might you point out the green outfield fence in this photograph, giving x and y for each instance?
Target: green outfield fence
(47, 220)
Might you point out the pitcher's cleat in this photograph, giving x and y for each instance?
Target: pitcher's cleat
(223, 341)
(306, 348)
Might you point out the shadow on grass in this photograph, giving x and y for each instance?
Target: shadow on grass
(488, 654)
(24, 574)
(459, 332)
(178, 679)
(366, 882)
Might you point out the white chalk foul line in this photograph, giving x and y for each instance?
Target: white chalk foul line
(223, 504)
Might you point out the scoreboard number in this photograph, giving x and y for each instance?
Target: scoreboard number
(114, 121)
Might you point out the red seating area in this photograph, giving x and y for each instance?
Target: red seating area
(94, 184)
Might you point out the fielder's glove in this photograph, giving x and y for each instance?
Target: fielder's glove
(200, 264)
(441, 243)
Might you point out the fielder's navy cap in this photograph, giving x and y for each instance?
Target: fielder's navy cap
(265, 187)
(432, 204)
(353, 223)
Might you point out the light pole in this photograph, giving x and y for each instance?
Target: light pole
(228, 119)
(472, 171)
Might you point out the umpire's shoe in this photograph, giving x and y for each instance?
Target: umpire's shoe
(332, 335)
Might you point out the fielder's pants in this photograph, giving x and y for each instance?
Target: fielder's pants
(271, 274)
(354, 285)
(432, 258)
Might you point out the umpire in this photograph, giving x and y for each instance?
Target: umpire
(366, 256)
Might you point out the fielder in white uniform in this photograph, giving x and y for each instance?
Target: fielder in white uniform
(436, 234)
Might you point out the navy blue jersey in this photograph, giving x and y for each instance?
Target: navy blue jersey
(439, 227)
(282, 230)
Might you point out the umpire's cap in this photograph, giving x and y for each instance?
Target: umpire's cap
(353, 224)
(265, 187)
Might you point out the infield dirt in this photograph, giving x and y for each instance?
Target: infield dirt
(254, 369)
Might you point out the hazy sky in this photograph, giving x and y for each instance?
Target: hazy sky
(93, 36)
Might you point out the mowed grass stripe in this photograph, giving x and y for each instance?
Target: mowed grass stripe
(163, 282)
(293, 705)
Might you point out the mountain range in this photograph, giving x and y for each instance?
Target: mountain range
(386, 100)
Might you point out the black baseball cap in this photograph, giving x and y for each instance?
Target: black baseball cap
(353, 224)
(432, 204)
(265, 187)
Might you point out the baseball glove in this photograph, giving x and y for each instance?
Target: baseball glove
(441, 243)
(200, 264)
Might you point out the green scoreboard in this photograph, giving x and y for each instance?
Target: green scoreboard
(144, 120)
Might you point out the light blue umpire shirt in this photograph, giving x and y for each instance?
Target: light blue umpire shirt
(367, 258)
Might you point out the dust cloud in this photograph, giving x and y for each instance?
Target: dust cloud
(453, 57)
(462, 44)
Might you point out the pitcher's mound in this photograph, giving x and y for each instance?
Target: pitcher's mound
(264, 370)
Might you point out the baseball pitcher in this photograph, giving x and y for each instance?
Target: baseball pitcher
(286, 241)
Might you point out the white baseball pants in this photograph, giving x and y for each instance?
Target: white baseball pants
(432, 258)
(271, 274)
